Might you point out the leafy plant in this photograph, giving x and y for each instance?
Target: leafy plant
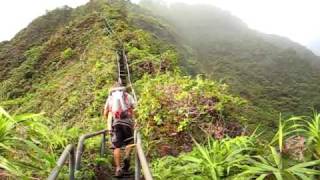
(214, 160)
(67, 53)
(287, 128)
(274, 165)
(23, 145)
(311, 128)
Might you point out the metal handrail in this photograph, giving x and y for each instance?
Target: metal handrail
(75, 158)
(129, 75)
(119, 70)
(141, 160)
(81, 142)
(68, 152)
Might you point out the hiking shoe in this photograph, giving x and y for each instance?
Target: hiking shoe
(126, 165)
(118, 173)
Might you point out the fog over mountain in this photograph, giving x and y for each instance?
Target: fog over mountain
(210, 91)
(272, 71)
(296, 20)
(315, 46)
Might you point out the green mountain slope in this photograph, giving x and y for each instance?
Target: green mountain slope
(274, 73)
(64, 63)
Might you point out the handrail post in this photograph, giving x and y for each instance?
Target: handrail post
(137, 162)
(68, 152)
(79, 152)
(72, 164)
(103, 144)
(80, 146)
(143, 159)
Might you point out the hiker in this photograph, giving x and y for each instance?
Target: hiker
(119, 111)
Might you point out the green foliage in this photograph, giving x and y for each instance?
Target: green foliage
(67, 53)
(174, 98)
(38, 77)
(26, 145)
(275, 166)
(149, 54)
(311, 129)
(22, 75)
(286, 129)
(241, 158)
(214, 160)
(70, 93)
(172, 103)
(273, 73)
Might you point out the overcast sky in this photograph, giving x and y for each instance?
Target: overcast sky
(298, 20)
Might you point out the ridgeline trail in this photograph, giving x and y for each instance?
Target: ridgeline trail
(73, 153)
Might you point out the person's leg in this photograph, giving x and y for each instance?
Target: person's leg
(117, 143)
(117, 158)
(129, 144)
(126, 160)
(128, 150)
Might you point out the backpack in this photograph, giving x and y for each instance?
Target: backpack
(119, 104)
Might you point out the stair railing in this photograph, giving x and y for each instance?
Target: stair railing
(141, 160)
(69, 151)
(75, 155)
(81, 142)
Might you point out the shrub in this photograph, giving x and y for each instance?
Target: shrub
(67, 53)
(171, 105)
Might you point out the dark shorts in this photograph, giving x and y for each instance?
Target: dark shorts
(122, 136)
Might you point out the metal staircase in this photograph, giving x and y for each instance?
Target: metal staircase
(74, 155)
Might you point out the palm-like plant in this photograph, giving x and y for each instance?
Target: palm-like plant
(7, 141)
(214, 160)
(312, 132)
(286, 129)
(19, 147)
(218, 158)
(273, 164)
(259, 167)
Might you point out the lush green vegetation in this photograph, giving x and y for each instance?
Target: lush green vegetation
(273, 73)
(247, 157)
(27, 145)
(63, 64)
(171, 106)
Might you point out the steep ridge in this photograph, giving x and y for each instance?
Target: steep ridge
(67, 71)
(274, 73)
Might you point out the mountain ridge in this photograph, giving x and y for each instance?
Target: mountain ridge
(266, 69)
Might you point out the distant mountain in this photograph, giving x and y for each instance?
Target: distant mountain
(273, 72)
(64, 63)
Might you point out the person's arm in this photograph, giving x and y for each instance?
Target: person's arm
(109, 122)
(132, 102)
(107, 114)
(106, 109)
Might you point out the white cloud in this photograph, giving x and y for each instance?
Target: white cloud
(296, 19)
(17, 14)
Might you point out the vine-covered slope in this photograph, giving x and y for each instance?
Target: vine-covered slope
(63, 64)
(274, 73)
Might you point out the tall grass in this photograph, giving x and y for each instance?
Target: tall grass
(312, 131)
(26, 145)
(8, 141)
(246, 157)
(273, 166)
(214, 160)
